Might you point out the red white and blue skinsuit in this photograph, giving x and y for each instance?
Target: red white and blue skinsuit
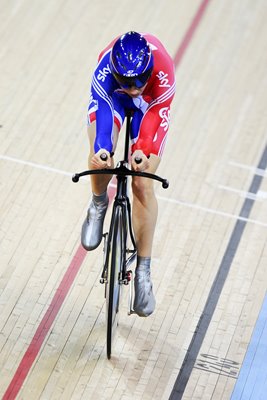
(108, 103)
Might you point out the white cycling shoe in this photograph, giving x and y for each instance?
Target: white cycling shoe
(144, 301)
(92, 229)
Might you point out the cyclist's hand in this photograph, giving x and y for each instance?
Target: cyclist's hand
(101, 160)
(140, 162)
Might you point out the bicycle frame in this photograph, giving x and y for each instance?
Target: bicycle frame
(121, 200)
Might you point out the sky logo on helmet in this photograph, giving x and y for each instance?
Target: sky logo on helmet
(101, 76)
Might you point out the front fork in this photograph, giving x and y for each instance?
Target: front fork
(127, 279)
(104, 275)
(126, 276)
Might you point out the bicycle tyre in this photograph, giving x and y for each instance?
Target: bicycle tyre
(116, 259)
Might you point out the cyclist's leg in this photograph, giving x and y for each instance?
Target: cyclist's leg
(145, 210)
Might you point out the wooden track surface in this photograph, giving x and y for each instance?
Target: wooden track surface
(210, 253)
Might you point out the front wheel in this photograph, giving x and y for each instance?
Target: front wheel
(115, 265)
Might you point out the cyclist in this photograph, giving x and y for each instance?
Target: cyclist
(136, 73)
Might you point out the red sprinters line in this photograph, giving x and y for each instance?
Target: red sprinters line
(189, 33)
(68, 279)
(45, 325)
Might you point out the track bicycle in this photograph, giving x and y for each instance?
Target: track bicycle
(119, 243)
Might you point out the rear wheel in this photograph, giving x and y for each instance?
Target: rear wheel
(116, 259)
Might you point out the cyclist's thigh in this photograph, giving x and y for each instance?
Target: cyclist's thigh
(91, 131)
(145, 183)
(154, 162)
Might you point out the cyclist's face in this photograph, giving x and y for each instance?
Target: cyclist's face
(134, 91)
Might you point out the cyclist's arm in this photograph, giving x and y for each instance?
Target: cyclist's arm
(161, 89)
(101, 89)
(104, 117)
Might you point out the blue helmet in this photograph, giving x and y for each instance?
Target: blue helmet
(131, 60)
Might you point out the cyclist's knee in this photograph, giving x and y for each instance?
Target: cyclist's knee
(91, 132)
(142, 189)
